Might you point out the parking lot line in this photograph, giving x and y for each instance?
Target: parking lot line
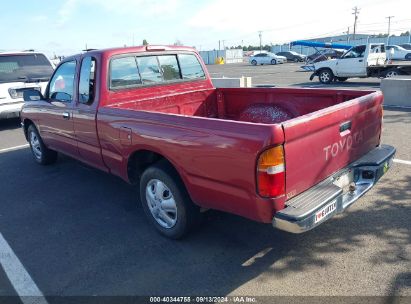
(400, 161)
(18, 276)
(14, 148)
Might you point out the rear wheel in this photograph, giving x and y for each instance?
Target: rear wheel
(273, 61)
(391, 73)
(254, 62)
(325, 76)
(166, 202)
(41, 154)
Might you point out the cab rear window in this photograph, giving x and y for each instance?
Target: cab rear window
(134, 71)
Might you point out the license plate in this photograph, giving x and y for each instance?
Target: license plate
(328, 209)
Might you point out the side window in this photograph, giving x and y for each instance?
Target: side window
(149, 69)
(62, 83)
(356, 52)
(87, 80)
(124, 72)
(190, 67)
(169, 67)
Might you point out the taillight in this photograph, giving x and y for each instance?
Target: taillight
(271, 172)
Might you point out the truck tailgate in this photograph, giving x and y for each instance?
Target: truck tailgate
(320, 143)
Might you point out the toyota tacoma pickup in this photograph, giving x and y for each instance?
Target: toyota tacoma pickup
(150, 115)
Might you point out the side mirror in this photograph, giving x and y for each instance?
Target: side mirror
(32, 95)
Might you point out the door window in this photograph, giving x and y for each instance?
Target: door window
(87, 80)
(62, 83)
(356, 52)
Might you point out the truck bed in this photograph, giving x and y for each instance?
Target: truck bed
(256, 105)
(226, 129)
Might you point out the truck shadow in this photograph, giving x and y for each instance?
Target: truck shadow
(83, 232)
(9, 124)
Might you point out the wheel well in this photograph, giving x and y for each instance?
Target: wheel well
(27, 124)
(141, 160)
(322, 69)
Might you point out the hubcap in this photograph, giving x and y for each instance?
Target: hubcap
(391, 74)
(161, 203)
(325, 76)
(35, 145)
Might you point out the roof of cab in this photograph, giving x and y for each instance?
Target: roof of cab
(140, 49)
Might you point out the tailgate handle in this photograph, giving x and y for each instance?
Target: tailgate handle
(345, 126)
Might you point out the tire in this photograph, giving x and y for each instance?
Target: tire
(296, 60)
(342, 79)
(391, 73)
(273, 62)
(158, 184)
(408, 56)
(254, 62)
(41, 154)
(326, 76)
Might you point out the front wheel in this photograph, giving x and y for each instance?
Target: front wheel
(326, 76)
(41, 154)
(166, 202)
(254, 62)
(273, 61)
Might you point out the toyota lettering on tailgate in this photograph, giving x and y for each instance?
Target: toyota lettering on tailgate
(345, 143)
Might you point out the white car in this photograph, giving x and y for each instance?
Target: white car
(267, 58)
(397, 52)
(20, 71)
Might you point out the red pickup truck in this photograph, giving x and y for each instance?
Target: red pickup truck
(150, 114)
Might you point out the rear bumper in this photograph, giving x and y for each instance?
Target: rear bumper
(335, 194)
(10, 110)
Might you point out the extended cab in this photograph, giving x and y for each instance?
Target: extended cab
(20, 71)
(359, 61)
(290, 157)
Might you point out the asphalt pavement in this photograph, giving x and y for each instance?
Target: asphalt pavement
(80, 232)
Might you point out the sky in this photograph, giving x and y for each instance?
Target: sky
(65, 27)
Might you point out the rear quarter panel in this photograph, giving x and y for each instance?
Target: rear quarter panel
(215, 158)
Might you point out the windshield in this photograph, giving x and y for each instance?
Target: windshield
(24, 67)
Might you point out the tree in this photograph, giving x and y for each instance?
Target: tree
(145, 42)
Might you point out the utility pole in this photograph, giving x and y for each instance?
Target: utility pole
(260, 34)
(219, 45)
(355, 13)
(389, 27)
(348, 34)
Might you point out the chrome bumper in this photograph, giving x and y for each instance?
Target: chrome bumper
(336, 193)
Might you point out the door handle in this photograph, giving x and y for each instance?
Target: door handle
(360, 60)
(66, 115)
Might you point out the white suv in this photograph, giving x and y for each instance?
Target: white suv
(20, 71)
